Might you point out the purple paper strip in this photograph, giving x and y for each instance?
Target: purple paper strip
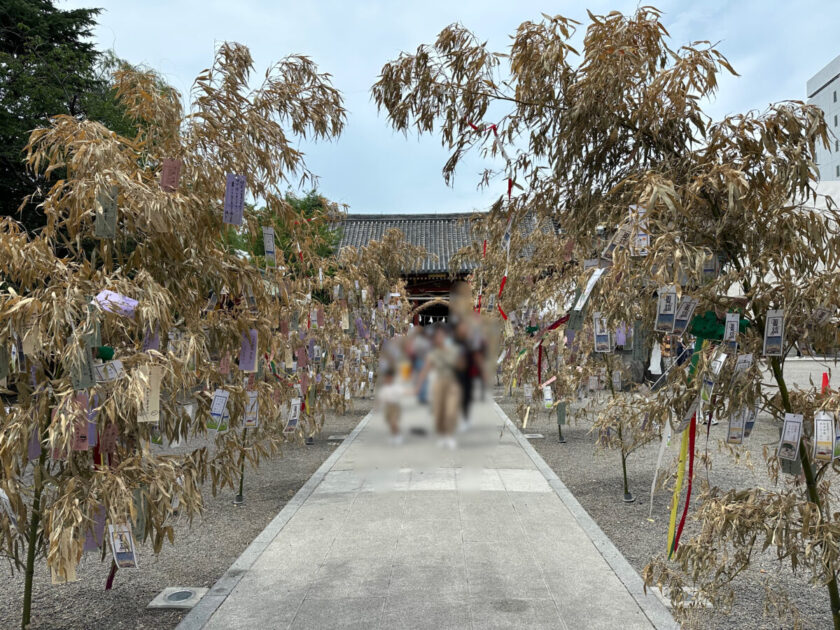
(248, 351)
(151, 341)
(234, 199)
(34, 450)
(95, 534)
(116, 303)
(621, 335)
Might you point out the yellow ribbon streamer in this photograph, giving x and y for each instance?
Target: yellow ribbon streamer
(675, 502)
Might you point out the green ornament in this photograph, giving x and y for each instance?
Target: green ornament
(106, 353)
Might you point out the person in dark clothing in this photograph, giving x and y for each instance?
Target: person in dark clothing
(467, 368)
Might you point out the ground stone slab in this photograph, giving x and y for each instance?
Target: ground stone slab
(418, 536)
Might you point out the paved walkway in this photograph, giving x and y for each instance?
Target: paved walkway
(414, 536)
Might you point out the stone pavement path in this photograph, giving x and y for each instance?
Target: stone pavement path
(416, 536)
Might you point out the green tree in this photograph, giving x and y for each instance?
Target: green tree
(48, 67)
(312, 226)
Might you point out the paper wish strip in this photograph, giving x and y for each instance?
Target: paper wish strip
(735, 434)
(122, 545)
(820, 316)
(248, 352)
(749, 414)
(601, 333)
(170, 175)
(641, 239)
(791, 435)
(234, 208)
(774, 333)
(218, 408)
(105, 224)
(548, 397)
(252, 410)
(590, 285)
(107, 372)
(150, 407)
(685, 311)
(742, 363)
(116, 303)
(294, 416)
(268, 246)
(83, 375)
(824, 433)
(528, 392)
(711, 377)
(151, 340)
(95, 533)
(666, 309)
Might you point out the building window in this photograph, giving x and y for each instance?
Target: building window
(837, 145)
(837, 170)
(835, 96)
(835, 120)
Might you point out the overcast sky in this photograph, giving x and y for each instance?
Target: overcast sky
(775, 45)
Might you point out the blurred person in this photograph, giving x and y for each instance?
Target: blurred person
(391, 354)
(443, 361)
(467, 369)
(389, 399)
(421, 346)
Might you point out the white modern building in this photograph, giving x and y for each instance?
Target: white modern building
(824, 92)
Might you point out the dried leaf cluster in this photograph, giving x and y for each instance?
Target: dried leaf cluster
(610, 162)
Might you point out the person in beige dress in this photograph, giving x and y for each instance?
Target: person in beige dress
(444, 361)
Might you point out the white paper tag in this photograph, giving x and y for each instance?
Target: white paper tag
(252, 409)
(774, 333)
(791, 434)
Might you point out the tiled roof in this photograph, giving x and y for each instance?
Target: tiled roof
(440, 234)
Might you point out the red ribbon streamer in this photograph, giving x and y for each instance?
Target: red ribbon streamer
(510, 186)
(504, 315)
(502, 286)
(691, 428)
(557, 323)
(484, 250)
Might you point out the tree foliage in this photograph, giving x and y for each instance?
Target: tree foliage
(613, 140)
(48, 67)
(167, 254)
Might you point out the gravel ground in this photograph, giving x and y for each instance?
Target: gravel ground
(594, 477)
(201, 554)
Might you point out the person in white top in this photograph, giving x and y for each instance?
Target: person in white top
(389, 396)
